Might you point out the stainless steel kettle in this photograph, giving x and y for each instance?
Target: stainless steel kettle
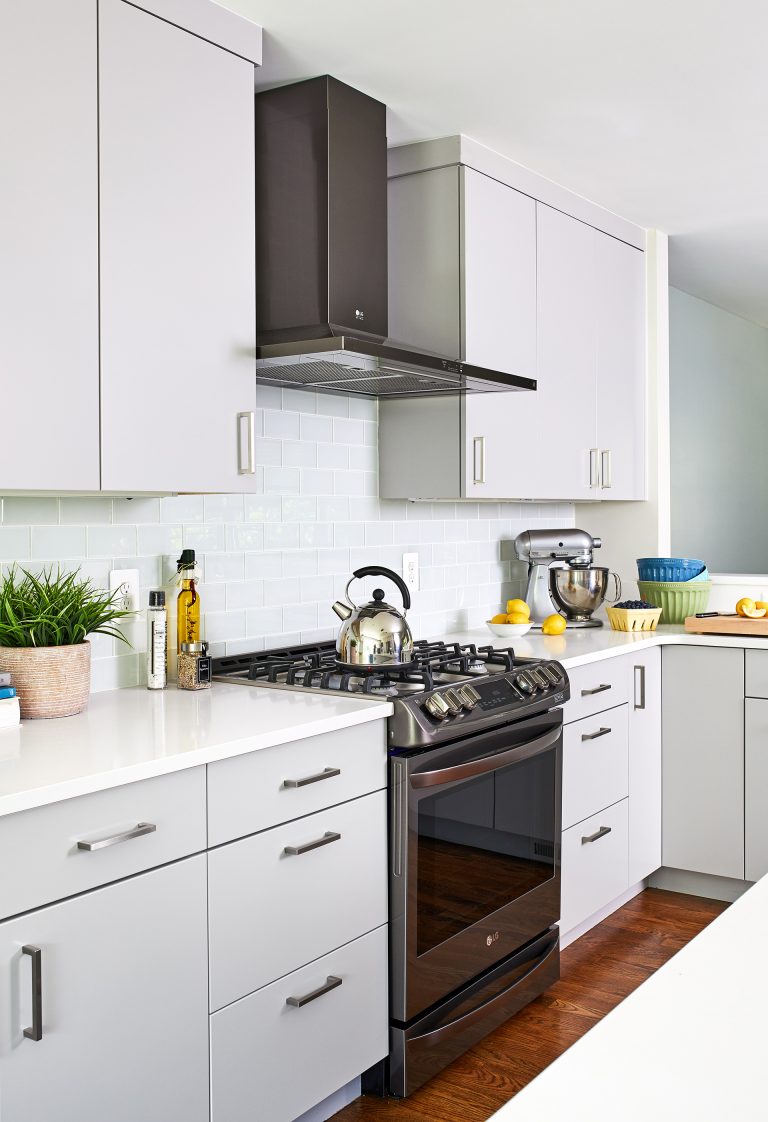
(374, 635)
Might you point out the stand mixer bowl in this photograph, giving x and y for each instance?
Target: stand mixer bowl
(578, 590)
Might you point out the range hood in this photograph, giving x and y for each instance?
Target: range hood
(321, 253)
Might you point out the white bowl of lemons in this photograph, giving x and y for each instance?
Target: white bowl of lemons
(513, 623)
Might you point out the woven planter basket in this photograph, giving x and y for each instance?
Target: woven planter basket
(49, 681)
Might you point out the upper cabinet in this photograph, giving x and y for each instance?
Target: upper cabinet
(49, 300)
(540, 293)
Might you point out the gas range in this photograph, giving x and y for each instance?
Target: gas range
(451, 691)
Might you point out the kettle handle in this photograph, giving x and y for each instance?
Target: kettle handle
(380, 571)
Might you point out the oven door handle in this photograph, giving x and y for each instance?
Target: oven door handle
(483, 764)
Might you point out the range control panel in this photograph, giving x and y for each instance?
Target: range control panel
(503, 691)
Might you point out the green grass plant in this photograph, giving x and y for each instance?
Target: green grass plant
(54, 610)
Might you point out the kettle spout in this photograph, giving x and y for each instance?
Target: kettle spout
(342, 610)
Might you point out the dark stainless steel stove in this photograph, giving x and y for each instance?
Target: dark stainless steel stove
(475, 744)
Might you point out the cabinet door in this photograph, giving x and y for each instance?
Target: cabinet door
(177, 257)
(620, 319)
(49, 339)
(124, 1004)
(755, 787)
(703, 763)
(645, 765)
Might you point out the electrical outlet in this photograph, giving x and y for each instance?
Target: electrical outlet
(127, 581)
(411, 571)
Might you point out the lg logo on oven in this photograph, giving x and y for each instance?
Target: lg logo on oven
(491, 939)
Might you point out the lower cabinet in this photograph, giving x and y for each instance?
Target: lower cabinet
(122, 1008)
(277, 1052)
(645, 764)
(595, 864)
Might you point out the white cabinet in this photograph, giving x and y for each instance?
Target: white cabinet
(176, 164)
(595, 869)
(49, 335)
(594, 764)
(123, 1004)
(645, 764)
(703, 762)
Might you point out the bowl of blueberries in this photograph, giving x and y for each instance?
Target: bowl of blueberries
(633, 615)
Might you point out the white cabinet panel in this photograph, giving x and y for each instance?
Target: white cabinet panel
(597, 686)
(595, 867)
(645, 765)
(595, 767)
(177, 256)
(755, 788)
(703, 760)
(49, 328)
(124, 1004)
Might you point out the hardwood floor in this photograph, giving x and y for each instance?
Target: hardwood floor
(598, 971)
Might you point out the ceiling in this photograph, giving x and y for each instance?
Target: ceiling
(655, 110)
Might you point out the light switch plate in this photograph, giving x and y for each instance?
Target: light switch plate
(411, 571)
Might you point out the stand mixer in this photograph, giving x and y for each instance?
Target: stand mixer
(562, 577)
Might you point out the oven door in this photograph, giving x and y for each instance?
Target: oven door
(475, 852)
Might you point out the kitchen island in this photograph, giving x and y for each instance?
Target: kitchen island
(688, 1044)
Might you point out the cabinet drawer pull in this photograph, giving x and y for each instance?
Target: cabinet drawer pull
(598, 689)
(594, 468)
(594, 735)
(640, 694)
(35, 1032)
(478, 455)
(606, 473)
(331, 983)
(138, 831)
(601, 833)
(250, 464)
(297, 850)
(326, 773)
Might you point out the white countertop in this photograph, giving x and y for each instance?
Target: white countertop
(688, 1044)
(130, 734)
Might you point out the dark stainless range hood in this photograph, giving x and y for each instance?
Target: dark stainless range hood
(321, 253)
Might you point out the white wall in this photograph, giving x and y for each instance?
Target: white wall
(719, 436)
(273, 563)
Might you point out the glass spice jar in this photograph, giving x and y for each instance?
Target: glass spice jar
(194, 667)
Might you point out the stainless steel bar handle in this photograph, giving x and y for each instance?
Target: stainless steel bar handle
(250, 465)
(35, 1032)
(484, 764)
(326, 773)
(606, 473)
(478, 454)
(640, 670)
(595, 735)
(598, 689)
(331, 983)
(601, 833)
(594, 468)
(138, 831)
(297, 850)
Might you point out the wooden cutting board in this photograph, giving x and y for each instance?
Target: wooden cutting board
(728, 625)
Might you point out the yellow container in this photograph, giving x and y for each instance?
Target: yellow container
(633, 619)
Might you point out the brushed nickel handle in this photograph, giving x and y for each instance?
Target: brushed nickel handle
(138, 831)
(605, 469)
(250, 466)
(478, 455)
(594, 468)
(641, 693)
(35, 1032)
(331, 983)
(297, 850)
(326, 773)
(601, 833)
(595, 735)
(598, 689)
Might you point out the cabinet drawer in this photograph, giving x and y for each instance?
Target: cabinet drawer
(47, 863)
(262, 789)
(324, 897)
(756, 673)
(271, 1061)
(597, 686)
(595, 764)
(594, 872)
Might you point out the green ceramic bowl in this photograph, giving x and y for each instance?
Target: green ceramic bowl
(677, 599)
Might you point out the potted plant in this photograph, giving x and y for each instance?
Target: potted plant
(45, 621)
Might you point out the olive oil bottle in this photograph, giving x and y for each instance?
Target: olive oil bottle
(188, 601)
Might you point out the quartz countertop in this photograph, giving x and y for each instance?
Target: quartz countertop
(131, 734)
(689, 1043)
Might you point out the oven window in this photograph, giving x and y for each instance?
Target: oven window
(482, 844)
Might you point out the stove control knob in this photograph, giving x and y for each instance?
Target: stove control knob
(525, 683)
(541, 679)
(554, 673)
(469, 697)
(454, 702)
(437, 707)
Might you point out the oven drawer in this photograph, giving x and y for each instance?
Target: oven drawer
(595, 864)
(597, 686)
(270, 912)
(253, 792)
(144, 824)
(595, 764)
(272, 1060)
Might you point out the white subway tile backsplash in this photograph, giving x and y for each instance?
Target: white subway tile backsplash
(281, 535)
(379, 533)
(49, 543)
(318, 429)
(30, 512)
(300, 617)
(110, 541)
(183, 508)
(244, 536)
(263, 508)
(281, 424)
(299, 401)
(300, 453)
(332, 406)
(223, 508)
(317, 482)
(244, 594)
(315, 534)
(263, 566)
(87, 511)
(333, 455)
(15, 543)
(224, 567)
(282, 480)
(224, 625)
(207, 535)
(332, 509)
(348, 432)
(269, 453)
(364, 408)
(349, 533)
(269, 397)
(261, 621)
(160, 539)
(134, 511)
(300, 563)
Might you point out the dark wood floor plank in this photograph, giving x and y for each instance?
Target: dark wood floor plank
(598, 971)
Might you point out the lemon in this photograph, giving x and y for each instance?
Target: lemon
(520, 607)
(753, 613)
(518, 617)
(761, 604)
(553, 625)
(745, 606)
(500, 619)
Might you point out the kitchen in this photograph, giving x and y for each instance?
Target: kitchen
(138, 257)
